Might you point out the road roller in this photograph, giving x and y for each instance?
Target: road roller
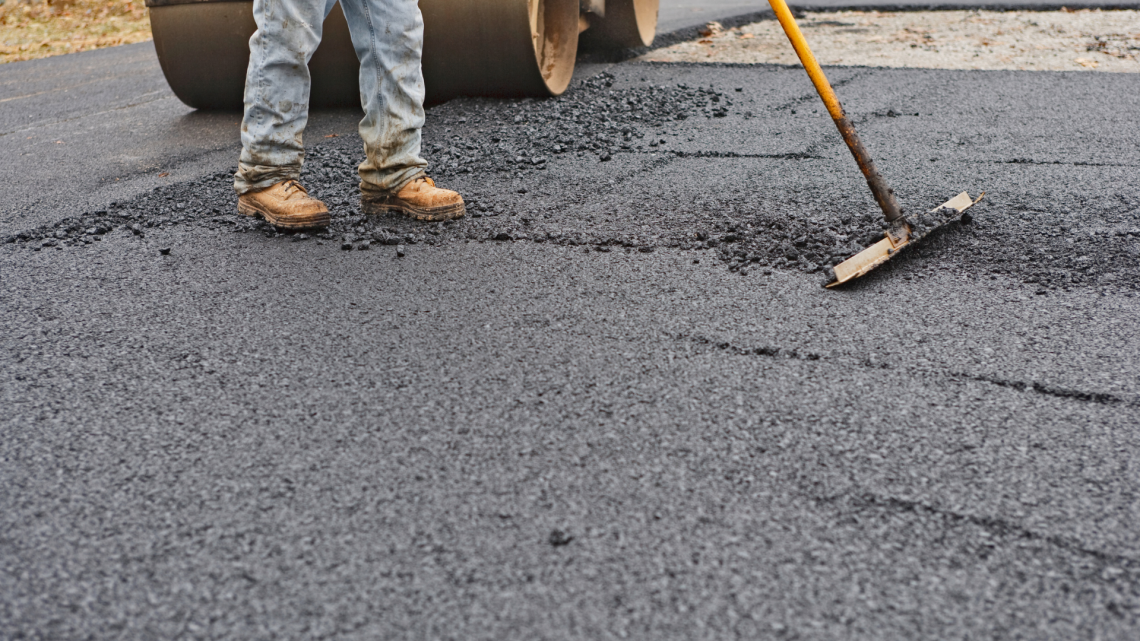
(506, 48)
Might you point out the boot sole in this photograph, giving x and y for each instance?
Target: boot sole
(318, 220)
(386, 204)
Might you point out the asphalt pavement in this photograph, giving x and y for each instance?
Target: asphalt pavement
(84, 130)
(613, 402)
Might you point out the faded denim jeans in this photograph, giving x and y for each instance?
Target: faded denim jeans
(388, 37)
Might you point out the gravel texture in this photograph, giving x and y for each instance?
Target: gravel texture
(615, 404)
(1067, 40)
(522, 166)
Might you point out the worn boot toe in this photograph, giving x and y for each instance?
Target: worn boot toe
(419, 199)
(285, 205)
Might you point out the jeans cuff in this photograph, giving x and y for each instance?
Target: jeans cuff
(392, 183)
(250, 178)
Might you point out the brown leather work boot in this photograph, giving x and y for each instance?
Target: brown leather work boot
(419, 199)
(285, 205)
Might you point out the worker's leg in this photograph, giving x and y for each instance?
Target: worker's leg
(277, 91)
(388, 36)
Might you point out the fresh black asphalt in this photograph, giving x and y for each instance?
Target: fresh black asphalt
(613, 402)
(81, 131)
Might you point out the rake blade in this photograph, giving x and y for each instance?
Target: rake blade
(901, 234)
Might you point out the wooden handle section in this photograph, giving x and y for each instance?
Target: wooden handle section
(884, 195)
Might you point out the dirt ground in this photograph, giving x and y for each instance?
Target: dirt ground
(42, 28)
(1024, 40)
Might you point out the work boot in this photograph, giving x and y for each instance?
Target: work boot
(285, 205)
(419, 199)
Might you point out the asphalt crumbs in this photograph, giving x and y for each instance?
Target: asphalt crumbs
(612, 403)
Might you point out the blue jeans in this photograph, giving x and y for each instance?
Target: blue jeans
(388, 36)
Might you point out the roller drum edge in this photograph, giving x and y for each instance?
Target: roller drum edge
(499, 47)
(471, 47)
(627, 23)
(203, 49)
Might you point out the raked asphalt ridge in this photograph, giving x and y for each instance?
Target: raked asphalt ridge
(635, 416)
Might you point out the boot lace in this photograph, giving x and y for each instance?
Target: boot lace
(291, 186)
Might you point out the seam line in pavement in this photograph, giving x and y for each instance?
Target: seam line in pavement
(158, 95)
(1101, 398)
(30, 95)
(1077, 163)
(1002, 527)
(69, 87)
(799, 155)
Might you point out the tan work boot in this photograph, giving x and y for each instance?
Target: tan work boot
(419, 199)
(286, 205)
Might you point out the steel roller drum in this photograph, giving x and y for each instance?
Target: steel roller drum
(203, 48)
(471, 47)
(626, 23)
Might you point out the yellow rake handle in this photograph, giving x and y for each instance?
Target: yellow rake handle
(884, 195)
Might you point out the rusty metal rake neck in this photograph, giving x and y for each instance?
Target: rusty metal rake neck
(884, 195)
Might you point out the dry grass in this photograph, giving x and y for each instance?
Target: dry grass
(32, 29)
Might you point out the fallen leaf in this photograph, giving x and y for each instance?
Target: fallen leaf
(746, 36)
(712, 29)
(164, 174)
(332, 136)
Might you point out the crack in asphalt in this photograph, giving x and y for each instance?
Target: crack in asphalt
(725, 154)
(1028, 161)
(1001, 527)
(763, 350)
(1102, 398)
(773, 351)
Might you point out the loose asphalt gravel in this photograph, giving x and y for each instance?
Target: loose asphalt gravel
(613, 402)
